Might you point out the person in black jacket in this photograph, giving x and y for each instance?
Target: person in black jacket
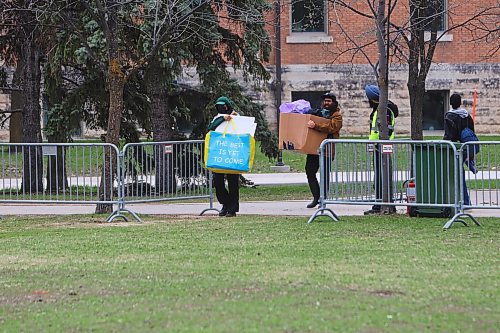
(455, 121)
(229, 198)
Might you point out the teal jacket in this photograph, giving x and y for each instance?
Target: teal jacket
(216, 122)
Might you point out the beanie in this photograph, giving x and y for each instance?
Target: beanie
(223, 100)
(329, 95)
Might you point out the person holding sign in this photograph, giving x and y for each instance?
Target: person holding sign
(229, 198)
(330, 110)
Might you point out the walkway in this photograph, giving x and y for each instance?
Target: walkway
(285, 207)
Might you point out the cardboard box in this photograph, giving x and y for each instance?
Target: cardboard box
(294, 134)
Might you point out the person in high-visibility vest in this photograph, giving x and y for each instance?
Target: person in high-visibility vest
(373, 94)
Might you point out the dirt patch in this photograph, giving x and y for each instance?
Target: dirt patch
(46, 296)
(378, 292)
(386, 293)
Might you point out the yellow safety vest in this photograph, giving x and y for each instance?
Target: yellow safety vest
(374, 130)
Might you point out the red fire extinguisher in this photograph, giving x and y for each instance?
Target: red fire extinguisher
(411, 194)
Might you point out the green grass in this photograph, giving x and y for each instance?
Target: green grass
(257, 193)
(76, 165)
(248, 274)
(275, 193)
(297, 161)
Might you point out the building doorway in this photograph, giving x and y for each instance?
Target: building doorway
(313, 97)
(435, 106)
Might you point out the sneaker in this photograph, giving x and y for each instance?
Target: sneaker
(223, 211)
(372, 212)
(230, 214)
(392, 210)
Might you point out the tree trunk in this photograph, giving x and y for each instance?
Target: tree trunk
(419, 62)
(383, 80)
(117, 81)
(416, 88)
(57, 180)
(32, 157)
(157, 88)
(17, 103)
(56, 177)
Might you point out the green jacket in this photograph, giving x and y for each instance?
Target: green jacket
(215, 123)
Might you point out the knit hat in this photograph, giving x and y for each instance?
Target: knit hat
(223, 100)
(329, 95)
(372, 92)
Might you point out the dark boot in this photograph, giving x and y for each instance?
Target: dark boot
(223, 211)
(313, 203)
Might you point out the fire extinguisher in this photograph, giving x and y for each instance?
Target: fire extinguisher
(411, 194)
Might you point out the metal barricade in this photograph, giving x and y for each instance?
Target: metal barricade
(376, 173)
(60, 173)
(479, 177)
(164, 171)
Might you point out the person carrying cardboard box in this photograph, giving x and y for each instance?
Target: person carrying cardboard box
(329, 110)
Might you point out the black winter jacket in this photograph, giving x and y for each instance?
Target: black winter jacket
(454, 123)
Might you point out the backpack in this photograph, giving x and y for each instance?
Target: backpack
(394, 108)
(468, 135)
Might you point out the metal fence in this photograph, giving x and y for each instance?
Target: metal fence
(65, 173)
(61, 173)
(480, 174)
(164, 171)
(58, 173)
(426, 177)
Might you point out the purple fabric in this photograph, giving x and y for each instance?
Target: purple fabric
(298, 106)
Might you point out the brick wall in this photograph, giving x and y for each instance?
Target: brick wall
(459, 66)
(457, 49)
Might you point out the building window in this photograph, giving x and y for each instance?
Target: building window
(435, 106)
(308, 16)
(313, 97)
(436, 11)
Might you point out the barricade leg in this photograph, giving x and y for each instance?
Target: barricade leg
(211, 196)
(324, 212)
(463, 195)
(457, 218)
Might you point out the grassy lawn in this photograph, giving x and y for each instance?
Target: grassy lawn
(86, 160)
(248, 274)
(297, 161)
(257, 193)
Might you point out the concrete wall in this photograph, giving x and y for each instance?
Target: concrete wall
(348, 81)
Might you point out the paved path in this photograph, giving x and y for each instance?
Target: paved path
(286, 207)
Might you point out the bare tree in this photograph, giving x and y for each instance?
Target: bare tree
(413, 39)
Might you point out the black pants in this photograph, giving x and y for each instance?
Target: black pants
(378, 176)
(312, 167)
(229, 198)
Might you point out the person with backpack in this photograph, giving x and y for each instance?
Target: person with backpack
(373, 93)
(459, 127)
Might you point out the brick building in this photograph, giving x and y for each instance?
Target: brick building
(312, 63)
